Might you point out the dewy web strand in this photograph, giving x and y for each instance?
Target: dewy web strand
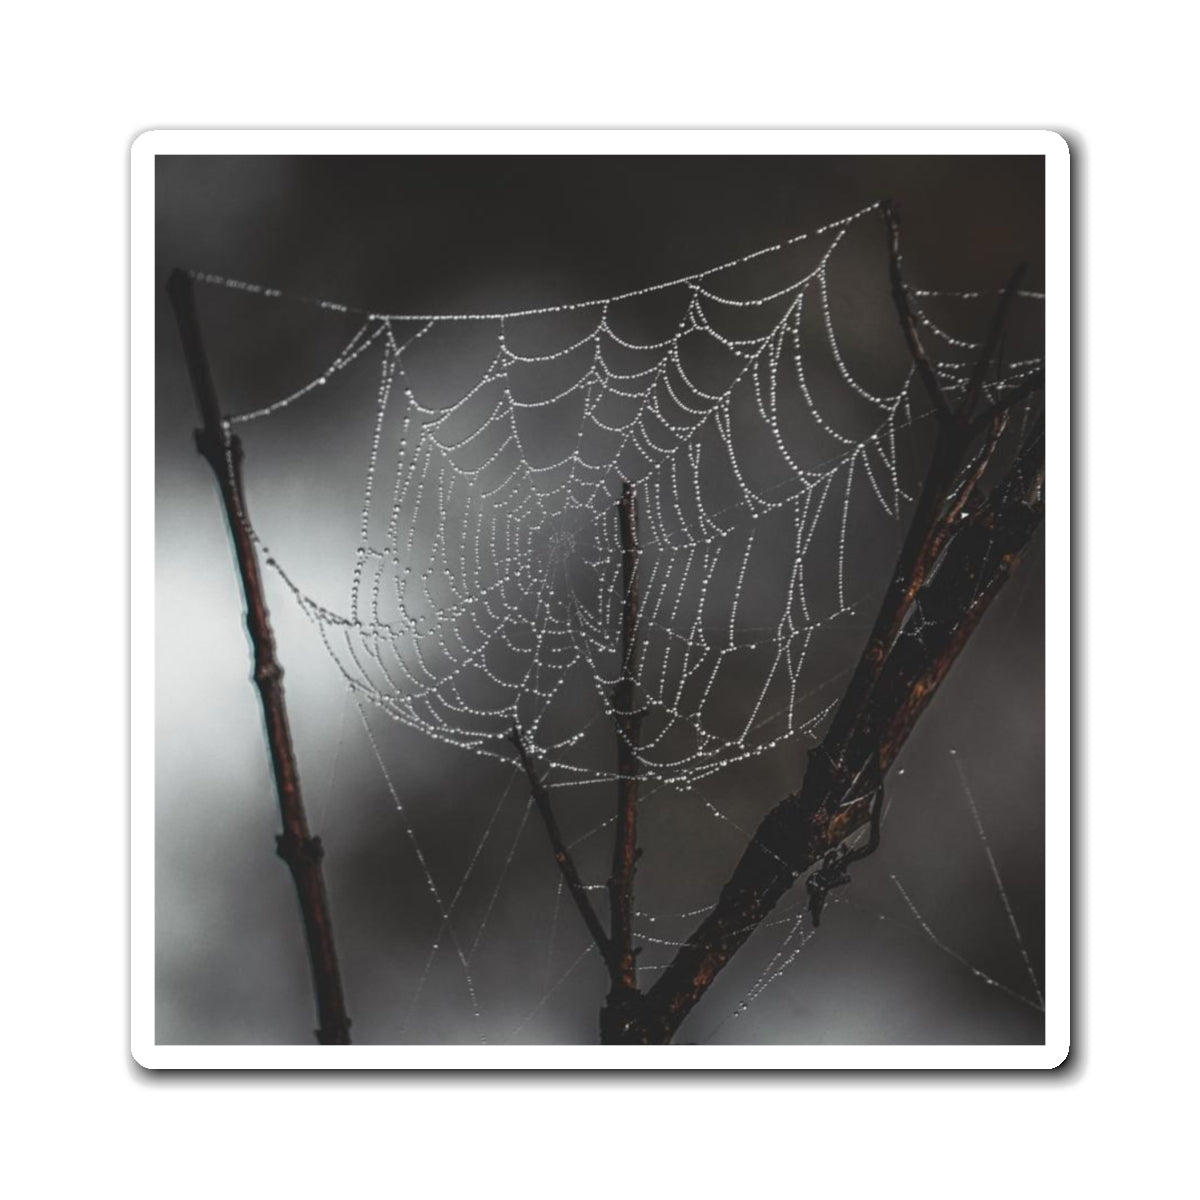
(485, 588)
(270, 293)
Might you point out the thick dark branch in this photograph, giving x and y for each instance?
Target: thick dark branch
(836, 796)
(932, 520)
(628, 719)
(908, 321)
(978, 562)
(941, 502)
(922, 544)
(562, 855)
(295, 845)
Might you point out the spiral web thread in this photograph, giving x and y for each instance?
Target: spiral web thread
(485, 591)
(486, 588)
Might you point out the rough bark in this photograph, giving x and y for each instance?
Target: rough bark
(959, 550)
(835, 798)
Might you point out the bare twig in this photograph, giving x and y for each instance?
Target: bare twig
(995, 332)
(908, 321)
(929, 525)
(295, 845)
(622, 1007)
(804, 827)
(939, 505)
(562, 855)
(620, 885)
(1006, 404)
(900, 670)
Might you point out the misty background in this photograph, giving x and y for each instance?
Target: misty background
(477, 234)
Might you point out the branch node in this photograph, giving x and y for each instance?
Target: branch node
(295, 850)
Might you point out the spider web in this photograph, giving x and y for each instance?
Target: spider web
(485, 590)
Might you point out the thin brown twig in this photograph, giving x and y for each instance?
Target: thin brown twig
(926, 531)
(974, 392)
(802, 828)
(295, 845)
(1006, 404)
(899, 672)
(562, 856)
(628, 720)
(908, 321)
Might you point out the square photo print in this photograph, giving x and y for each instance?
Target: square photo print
(600, 600)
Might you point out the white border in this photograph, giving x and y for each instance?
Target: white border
(665, 142)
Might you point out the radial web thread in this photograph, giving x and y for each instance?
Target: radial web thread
(484, 587)
(486, 591)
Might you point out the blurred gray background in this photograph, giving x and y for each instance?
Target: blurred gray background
(469, 234)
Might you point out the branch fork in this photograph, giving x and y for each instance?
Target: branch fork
(960, 548)
(622, 1010)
